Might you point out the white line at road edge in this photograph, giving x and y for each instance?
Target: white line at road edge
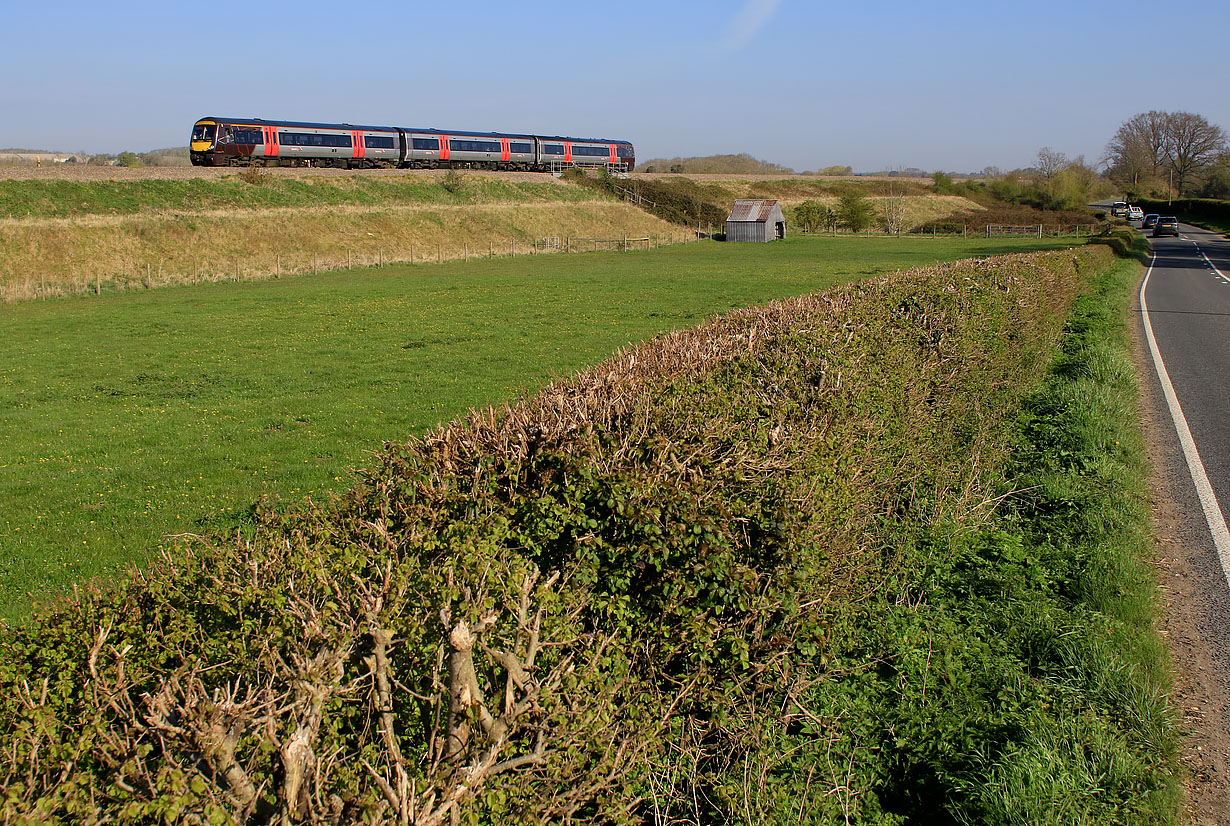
(1208, 500)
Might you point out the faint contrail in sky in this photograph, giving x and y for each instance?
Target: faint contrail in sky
(747, 23)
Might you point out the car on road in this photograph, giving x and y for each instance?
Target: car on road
(1166, 225)
(1150, 221)
(1135, 214)
(1118, 208)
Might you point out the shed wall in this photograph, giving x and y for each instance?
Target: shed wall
(749, 231)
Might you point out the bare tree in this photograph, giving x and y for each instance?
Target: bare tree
(1139, 146)
(1050, 162)
(1150, 143)
(892, 207)
(1191, 144)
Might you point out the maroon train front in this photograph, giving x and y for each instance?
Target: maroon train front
(253, 141)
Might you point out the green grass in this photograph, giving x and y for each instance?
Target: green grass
(130, 417)
(1081, 507)
(59, 198)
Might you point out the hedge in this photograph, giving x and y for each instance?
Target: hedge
(683, 585)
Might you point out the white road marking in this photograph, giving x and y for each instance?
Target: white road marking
(1212, 266)
(1208, 500)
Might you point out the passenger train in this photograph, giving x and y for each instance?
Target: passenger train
(252, 141)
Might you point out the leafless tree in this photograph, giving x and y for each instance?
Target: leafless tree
(892, 206)
(1138, 148)
(1191, 144)
(1050, 162)
(1150, 144)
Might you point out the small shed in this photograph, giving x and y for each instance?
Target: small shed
(755, 220)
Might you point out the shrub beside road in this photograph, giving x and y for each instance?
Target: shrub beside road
(873, 554)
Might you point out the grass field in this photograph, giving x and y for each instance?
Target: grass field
(264, 190)
(132, 416)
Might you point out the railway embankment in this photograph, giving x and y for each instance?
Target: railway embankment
(64, 236)
(866, 554)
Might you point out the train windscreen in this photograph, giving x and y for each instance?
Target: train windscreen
(203, 132)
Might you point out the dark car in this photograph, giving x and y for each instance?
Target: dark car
(1150, 221)
(1166, 225)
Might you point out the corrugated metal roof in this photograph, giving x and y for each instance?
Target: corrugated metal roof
(752, 210)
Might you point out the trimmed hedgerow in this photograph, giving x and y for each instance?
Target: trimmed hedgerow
(1211, 212)
(753, 572)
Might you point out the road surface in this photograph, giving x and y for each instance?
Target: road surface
(1185, 371)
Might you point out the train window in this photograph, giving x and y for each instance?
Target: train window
(521, 148)
(428, 144)
(377, 142)
(248, 136)
(553, 149)
(474, 146)
(593, 151)
(624, 151)
(203, 132)
(314, 139)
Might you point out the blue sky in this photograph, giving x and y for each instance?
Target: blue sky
(806, 83)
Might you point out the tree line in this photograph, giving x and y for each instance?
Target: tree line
(1170, 153)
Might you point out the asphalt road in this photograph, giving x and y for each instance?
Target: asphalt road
(1185, 309)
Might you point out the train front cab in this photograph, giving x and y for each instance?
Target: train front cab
(203, 144)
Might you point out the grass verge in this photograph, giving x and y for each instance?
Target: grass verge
(1082, 508)
(1023, 679)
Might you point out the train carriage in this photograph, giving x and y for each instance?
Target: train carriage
(239, 142)
(481, 150)
(254, 141)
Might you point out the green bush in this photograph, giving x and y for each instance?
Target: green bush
(855, 212)
(943, 184)
(744, 571)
